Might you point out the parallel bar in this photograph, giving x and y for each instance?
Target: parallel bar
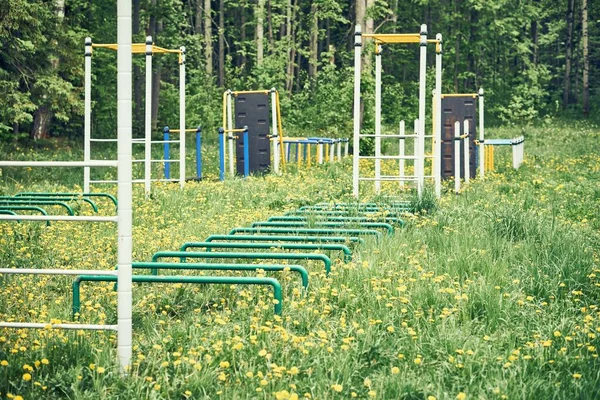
(80, 218)
(315, 239)
(91, 163)
(34, 271)
(33, 325)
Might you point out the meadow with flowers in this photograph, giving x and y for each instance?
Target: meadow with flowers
(490, 294)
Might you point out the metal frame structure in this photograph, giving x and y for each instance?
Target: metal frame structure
(123, 219)
(419, 156)
(277, 129)
(149, 49)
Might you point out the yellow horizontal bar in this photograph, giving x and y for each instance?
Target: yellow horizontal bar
(233, 130)
(136, 48)
(235, 93)
(466, 135)
(394, 37)
(185, 130)
(433, 41)
(295, 138)
(474, 95)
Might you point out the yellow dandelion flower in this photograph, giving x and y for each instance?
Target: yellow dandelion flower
(461, 396)
(27, 377)
(576, 376)
(100, 370)
(372, 393)
(395, 370)
(337, 388)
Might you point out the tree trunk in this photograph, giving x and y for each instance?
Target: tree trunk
(208, 49)
(43, 115)
(457, 46)
(221, 43)
(270, 26)
(569, 55)
(586, 58)
(260, 32)
(289, 31)
(242, 56)
(155, 27)
(534, 40)
(314, 43)
(198, 18)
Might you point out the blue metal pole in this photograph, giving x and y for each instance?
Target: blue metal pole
(167, 152)
(199, 153)
(246, 153)
(221, 154)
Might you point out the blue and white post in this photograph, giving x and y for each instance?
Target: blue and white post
(221, 154)
(246, 152)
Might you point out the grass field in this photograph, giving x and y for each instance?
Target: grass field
(491, 294)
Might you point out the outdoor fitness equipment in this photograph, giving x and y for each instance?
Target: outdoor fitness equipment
(167, 151)
(148, 49)
(419, 136)
(123, 219)
(326, 149)
(518, 147)
(244, 143)
(252, 111)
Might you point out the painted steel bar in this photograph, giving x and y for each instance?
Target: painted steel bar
(457, 157)
(290, 224)
(182, 117)
(221, 154)
(354, 207)
(315, 231)
(51, 271)
(90, 163)
(437, 123)
(148, 120)
(351, 213)
(226, 267)
(394, 220)
(167, 152)
(37, 325)
(229, 129)
(481, 135)
(357, 109)
(199, 153)
(467, 155)
(401, 151)
(314, 239)
(53, 198)
(38, 202)
(202, 280)
(9, 211)
(87, 113)
(368, 204)
(246, 152)
(85, 194)
(270, 245)
(377, 116)
(183, 255)
(70, 218)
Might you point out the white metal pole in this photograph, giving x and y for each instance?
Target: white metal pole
(229, 134)
(437, 165)
(481, 136)
(356, 141)
(377, 118)
(87, 115)
(422, 100)
(346, 145)
(182, 118)
(416, 151)
(331, 152)
(148, 119)
(275, 135)
(339, 150)
(402, 152)
(124, 125)
(467, 153)
(457, 157)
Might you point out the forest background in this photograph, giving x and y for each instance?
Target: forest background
(536, 59)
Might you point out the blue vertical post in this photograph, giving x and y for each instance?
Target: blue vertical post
(167, 152)
(199, 153)
(246, 153)
(221, 154)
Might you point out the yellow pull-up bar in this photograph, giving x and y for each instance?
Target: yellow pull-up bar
(137, 48)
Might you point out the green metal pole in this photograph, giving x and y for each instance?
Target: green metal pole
(50, 198)
(285, 246)
(182, 255)
(25, 208)
(389, 228)
(314, 231)
(225, 267)
(49, 194)
(348, 213)
(213, 280)
(36, 203)
(317, 239)
(325, 218)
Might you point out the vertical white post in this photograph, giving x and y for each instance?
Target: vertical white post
(356, 141)
(377, 117)
(481, 136)
(229, 135)
(331, 152)
(422, 100)
(320, 150)
(457, 157)
(416, 152)
(148, 119)
(275, 134)
(401, 153)
(346, 143)
(124, 124)
(339, 150)
(467, 159)
(437, 130)
(87, 114)
(182, 118)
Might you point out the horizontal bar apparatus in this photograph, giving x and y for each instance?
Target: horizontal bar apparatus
(315, 239)
(72, 218)
(291, 224)
(315, 231)
(41, 271)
